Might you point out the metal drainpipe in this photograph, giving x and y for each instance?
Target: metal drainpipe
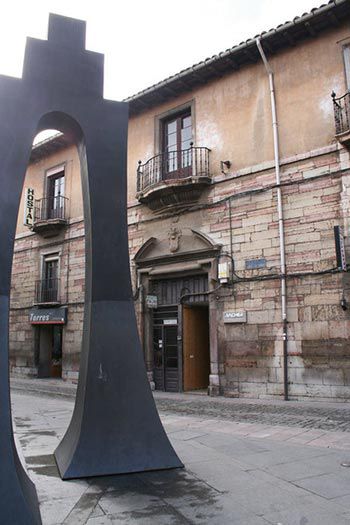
(280, 219)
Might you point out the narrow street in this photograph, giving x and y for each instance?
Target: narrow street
(246, 462)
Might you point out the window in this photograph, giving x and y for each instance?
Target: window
(50, 277)
(55, 194)
(177, 138)
(346, 54)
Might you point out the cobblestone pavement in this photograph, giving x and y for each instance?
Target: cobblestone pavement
(292, 414)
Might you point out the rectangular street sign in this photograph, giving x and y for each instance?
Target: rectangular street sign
(48, 315)
(235, 317)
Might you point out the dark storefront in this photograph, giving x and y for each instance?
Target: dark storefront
(48, 324)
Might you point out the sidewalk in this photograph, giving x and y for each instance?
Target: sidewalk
(236, 472)
(306, 414)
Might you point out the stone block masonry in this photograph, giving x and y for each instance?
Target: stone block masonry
(250, 355)
(30, 249)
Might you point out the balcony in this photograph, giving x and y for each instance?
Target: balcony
(50, 215)
(173, 178)
(47, 292)
(341, 106)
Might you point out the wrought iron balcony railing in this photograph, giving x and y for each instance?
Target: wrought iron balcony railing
(341, 106)
(173, 165)
(47, 291)
(50, 208)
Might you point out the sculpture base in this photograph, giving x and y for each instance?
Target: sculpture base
(115, 427)
(19, 501)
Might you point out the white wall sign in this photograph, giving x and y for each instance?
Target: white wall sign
(235, 317)
(29, 207)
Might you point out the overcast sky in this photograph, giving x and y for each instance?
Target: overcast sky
(144, 41)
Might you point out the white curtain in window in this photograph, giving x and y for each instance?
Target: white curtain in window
(347, 66)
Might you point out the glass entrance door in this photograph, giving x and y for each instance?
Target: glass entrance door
(165, 350)
(171, 367)
(55, 196)
(177, 147)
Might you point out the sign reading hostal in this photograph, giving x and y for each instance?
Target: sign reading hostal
(48, 316)
(29, 207)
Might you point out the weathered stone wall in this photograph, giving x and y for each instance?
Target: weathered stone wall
(315, 197)
(312, 203)
(29, 249)
(314, 188)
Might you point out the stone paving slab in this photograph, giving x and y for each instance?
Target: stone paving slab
(244, 473)
(300, 469)
(306, 515)
(327, 485)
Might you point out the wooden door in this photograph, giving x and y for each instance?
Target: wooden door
(196, 353)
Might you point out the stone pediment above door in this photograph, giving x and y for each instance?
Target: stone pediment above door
(179, 244)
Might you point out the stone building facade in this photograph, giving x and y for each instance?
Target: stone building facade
(48, 272)
(238, 288)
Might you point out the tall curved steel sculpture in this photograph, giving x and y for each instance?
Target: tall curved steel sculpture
(115, 427)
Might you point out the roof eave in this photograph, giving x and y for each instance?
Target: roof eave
(285, 35)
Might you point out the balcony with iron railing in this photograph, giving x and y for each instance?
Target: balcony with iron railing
(47, 291)
(50, 215)
(341, 107)
(173, 178)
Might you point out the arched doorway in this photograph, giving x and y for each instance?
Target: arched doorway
(176, 311)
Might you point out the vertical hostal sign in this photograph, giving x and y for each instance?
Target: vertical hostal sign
(29, 207)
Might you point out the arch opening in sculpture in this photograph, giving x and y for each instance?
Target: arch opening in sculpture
(115, 426)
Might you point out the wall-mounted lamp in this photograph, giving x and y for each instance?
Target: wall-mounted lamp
(224, 272)
(225, 268)
(344, 303)
(225, 164)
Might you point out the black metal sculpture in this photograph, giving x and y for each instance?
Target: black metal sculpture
(115, 426)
